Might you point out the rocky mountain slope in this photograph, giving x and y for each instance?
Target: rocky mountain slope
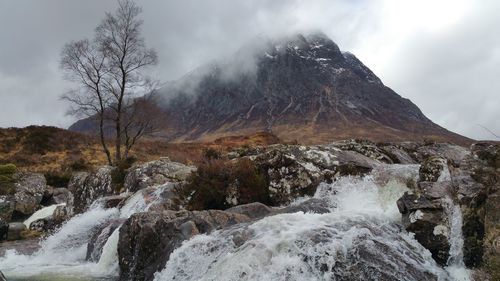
(301, 87)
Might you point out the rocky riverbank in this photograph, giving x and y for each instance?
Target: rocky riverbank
(447, 196)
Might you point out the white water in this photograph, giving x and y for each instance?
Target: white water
(62, 255)
(360, 239)
(41, 214)
(455, 265)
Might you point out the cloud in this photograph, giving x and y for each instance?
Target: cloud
(443, 55)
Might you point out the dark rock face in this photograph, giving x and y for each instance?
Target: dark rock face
(301, 87)
(29, 193)
(469, 178)
(148, 239)
(424, 212)
(156, 173)
(4, 229)
(99, 239)
(87, 187)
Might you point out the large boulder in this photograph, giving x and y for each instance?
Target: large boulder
(293, 171)
(426, 210)
(29, 190)
(87, 187)
(156, 173)
(99, 239)
(147, 239)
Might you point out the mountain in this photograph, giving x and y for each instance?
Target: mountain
(300, 87)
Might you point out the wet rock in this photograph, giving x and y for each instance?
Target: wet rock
(15, 230)
(147, 239)
(99, 239)
(434, 169)
(312, 205)
(29, 193)
(366, 148)
(6, 207)
(87, 187)
(156, 173)
(453, 153)
(428, 221)
(295, 171)
(4, 229)
(252, 210)
(61, 214)
(113, 201)
(398, 154)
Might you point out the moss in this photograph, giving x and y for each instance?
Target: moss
(7, 169)
(7, 182)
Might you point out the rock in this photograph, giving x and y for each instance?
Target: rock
(366, 148)
(15, 230)
(87, 187)
(312, 205)
(398, 154)
(99, 239)
(61, 214)
(147, 239)
(434, 169)
(6, 207)
(453, 153)
(156, 173)
(254, 210)
(29, 193)
(4, 229)
(294, 171)
(428, 221)
(61, 195)
(113, 201)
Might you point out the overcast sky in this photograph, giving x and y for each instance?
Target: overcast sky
(444, 55)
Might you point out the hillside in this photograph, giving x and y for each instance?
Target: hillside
(56, 151)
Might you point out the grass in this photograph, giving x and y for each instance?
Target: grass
(57, 152)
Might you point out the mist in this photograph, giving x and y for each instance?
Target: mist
(444, 55)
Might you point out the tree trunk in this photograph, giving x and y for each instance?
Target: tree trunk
(103, 140)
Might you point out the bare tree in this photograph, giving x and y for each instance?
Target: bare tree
(119, 37)
(84, 64)
(109, 73)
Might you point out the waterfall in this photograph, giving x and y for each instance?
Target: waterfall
(62, 255)
(361, 237)
(455, 264)
(41, 214)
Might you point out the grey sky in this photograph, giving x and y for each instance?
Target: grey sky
(442, 54)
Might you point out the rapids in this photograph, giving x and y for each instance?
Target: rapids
(361, 239)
